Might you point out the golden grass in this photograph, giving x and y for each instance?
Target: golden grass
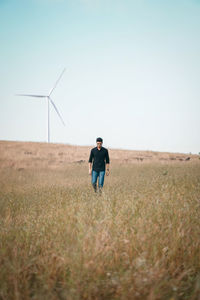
(139, 240)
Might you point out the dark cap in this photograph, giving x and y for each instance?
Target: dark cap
(99, 140)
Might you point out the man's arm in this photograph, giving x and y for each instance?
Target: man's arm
(107, 169)
(107, 163)
(90, 168)
(90, 162)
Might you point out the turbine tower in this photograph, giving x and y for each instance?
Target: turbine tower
(49, 100)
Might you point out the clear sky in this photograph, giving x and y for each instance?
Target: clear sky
(133, 78)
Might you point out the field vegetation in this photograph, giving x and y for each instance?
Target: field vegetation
(139, 239)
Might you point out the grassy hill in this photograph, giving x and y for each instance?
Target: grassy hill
(33, 155)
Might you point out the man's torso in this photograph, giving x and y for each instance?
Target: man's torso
(99, 159)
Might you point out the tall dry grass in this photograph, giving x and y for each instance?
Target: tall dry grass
(139, 240)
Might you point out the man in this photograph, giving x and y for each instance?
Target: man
(100, 158)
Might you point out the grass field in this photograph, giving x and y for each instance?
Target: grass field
(140, 239)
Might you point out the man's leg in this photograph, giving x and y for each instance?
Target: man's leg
(101, 180)
(94, 179)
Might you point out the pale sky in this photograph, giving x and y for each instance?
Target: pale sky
(133, 72)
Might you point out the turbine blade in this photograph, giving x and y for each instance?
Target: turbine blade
(56, 82)
(37, 96)
(56, 110)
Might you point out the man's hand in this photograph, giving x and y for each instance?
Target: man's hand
(90, 168)
(107, 169)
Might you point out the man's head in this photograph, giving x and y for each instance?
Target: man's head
(99, 142)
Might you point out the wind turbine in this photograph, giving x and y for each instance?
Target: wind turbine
(49, 100)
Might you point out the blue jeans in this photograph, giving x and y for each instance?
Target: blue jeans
(95, 175)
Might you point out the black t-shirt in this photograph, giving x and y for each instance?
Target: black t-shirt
(99, 157)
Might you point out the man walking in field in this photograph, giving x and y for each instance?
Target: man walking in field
(100, 158)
